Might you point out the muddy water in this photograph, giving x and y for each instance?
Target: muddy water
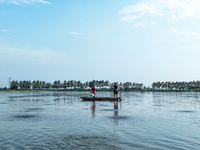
(61, 120)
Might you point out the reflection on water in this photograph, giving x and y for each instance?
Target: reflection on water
(186, 111)
(115, 107)
(24, 116)
(61, 120)
(93, 109)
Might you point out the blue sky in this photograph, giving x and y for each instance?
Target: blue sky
(137, 41)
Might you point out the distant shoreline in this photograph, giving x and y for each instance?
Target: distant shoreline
(81, 90)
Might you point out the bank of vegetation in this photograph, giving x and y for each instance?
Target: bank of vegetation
(72, 85)
(178, 86)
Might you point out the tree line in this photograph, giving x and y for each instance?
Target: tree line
(177, 85)
(101, 84)
(72, 84)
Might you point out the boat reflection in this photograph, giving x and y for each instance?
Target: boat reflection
(93, 108)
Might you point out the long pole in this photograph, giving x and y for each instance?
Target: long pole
(121, 96)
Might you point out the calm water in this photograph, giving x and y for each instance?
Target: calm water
(61, 120)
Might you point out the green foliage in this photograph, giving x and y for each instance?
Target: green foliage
(72, 84)
(192, 85)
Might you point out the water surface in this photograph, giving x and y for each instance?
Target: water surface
(61, 120)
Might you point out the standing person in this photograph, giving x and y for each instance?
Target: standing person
(115, 89)
(93, 91)
(142, 91)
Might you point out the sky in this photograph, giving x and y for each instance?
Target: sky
(142, 41)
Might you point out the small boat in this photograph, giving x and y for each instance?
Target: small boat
(101, 98)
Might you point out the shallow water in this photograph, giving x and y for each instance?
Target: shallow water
(61, 120)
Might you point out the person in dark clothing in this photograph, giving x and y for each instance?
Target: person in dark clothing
(115, 89)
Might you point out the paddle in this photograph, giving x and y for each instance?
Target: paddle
(121, 96)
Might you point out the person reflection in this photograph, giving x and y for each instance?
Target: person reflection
(116, 113)
(116, 107)
(93, 109)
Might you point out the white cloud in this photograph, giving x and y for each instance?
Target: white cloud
(5, 31)
(143, 24)
(20, 2)
(195, 46)
(173, 9)
(184, 40)
(152, 23)
(111, 59)
(41, 56)
(161, 40)
(139, 25)
(130, 17)
(77, 33)
(141, 9)
(194, 35)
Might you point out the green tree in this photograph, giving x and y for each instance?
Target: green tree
(65, 84)
(48, 85)
(14, 85)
